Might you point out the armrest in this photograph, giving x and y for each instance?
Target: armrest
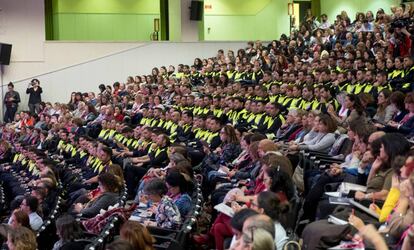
(162, 231)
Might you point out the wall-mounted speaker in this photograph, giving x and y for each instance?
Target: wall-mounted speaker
(5, 52)
(196, 10)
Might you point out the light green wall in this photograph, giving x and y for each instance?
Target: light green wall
(104, 19)
(334, 7)
(174, 19)
(245, 19)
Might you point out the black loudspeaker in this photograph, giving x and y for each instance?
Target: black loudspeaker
(196, 10)
(5, 51)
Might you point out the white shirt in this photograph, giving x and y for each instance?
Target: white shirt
(35, 221)
(280, 236)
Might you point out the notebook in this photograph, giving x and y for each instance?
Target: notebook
(223, 208)
(363, 208)
(345, 187)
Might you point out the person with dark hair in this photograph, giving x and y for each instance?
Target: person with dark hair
(30, 205)
(34, 91)
(237, 221)
(355, 111)
(109, 186)
(167, 214)
(68, 230)
(177, 190)
(270, 204)
(11, 101)
(406, 125)
(397, 100)
(325, 138)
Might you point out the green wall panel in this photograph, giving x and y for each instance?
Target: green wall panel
(116, 20)
(174, 19)
(245, 20)
(333, 8)
(107, 6)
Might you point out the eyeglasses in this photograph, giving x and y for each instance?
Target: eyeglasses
(249, 239)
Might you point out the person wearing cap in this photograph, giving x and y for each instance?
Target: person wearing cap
(34, 91)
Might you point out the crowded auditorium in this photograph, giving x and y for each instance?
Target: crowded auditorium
(301, 138)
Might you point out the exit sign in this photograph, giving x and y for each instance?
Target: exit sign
(208, 6)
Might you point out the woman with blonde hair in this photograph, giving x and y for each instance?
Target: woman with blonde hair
(255, 239)
(21, 239)
(137, 235)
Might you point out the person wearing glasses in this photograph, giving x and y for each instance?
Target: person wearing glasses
(30, 205)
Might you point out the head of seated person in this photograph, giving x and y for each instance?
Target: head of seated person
(266, 146)
(108, 183)
(68, 229)
(278, 181)
(326, 124)
(275, 159)
(21, 239)
(167, 214)
(238, 219)
(137, 235)
(19, 219)
(30, 205)
(117, 171)
(178, 188)
(255, 222)
(255, 239)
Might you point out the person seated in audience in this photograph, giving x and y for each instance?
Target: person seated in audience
(385, 111)
(355, 111)
(177, 190)
(68, 230)
(18, 219)
(293, 122)
(325, 138)
(137, 235)
(225, 154)
(109, 187)
(406, 125)
(21, 239)
(236, 224)
(305, 90)
(257, 239)
(30, 206)
(167, 214)
(256, 222)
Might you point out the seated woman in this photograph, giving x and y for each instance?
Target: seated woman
(271, 205)
(68, 230)
(355, 111)
(397, 99)
(5, 152)
(406, 125)
(385, 110)
(177, 191)
(325, 138)
(167, 214)
(137, 235)
(293, 122)
(83, 196)
(21, 238)
(109, 187)
(228, 151)
(17, 219)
